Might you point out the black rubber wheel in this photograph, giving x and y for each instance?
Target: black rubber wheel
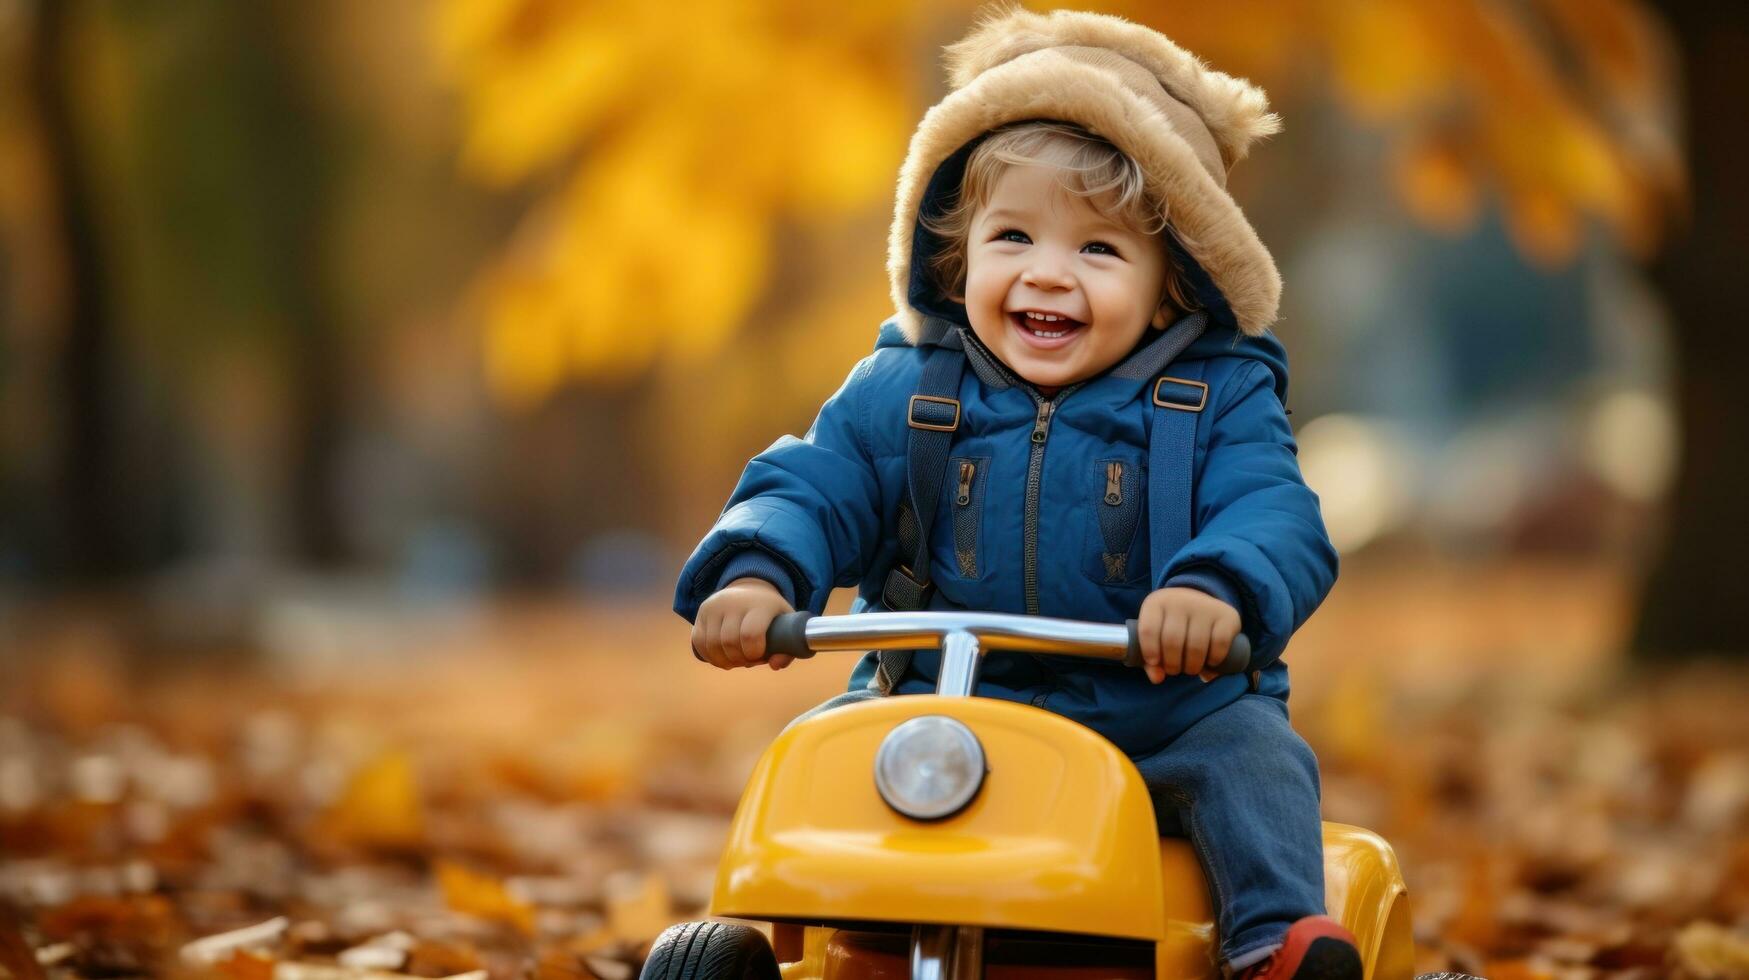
(710, 951)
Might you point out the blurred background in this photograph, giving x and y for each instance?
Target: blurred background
(368, 369)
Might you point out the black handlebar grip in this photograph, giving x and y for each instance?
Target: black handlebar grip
(788, 634)
(1237, 660)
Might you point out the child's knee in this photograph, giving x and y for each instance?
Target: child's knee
(1249, 739)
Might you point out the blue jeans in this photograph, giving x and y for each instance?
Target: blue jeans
(1243, 786)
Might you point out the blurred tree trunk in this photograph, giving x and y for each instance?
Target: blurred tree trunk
(296, 155)
(90, 535)
(1694, 599)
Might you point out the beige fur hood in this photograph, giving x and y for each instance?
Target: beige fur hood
(1185, 123)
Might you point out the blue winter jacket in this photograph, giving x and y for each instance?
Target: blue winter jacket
(1024, 526)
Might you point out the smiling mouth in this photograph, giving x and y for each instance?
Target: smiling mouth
(1045, 326)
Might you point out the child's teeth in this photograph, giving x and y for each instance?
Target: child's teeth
(1037, 318)
(1033, 321)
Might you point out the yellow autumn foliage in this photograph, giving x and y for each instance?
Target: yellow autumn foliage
(1562, 106)
(677, 138)
(687, 149)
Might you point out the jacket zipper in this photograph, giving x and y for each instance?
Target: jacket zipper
(968, 469)
(1041, 431)
(1041, 427)
(1114, 484)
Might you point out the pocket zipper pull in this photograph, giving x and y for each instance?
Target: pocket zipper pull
(967, 469)
(1114, 483)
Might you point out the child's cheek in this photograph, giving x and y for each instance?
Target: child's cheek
(984, 303)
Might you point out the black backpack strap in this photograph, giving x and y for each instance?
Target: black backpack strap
(933, 415)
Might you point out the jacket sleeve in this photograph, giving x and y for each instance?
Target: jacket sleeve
(1258, 528)
(807, 510)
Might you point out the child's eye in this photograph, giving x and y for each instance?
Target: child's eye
(1012, 235)
(1100, 248)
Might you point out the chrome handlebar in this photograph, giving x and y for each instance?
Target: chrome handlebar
(964, 636)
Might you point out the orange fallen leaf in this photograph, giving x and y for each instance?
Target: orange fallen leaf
(1477, 920)
(16, 958)
(381, 805)
(592, 941)
(244, 965)
(136, 921)
(457, 961)
(483, 896)
(559, 964)
(1514, 970)
(638, 907)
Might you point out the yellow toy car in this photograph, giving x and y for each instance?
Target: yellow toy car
(947, 837)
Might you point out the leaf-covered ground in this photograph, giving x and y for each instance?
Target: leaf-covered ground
(537, 791)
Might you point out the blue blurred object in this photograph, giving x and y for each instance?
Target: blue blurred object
(446, 559)
(624, 561)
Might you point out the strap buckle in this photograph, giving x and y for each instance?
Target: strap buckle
(1164, 402)
(903, 590)
(922, 420)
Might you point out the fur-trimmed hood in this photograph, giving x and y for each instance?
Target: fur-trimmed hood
(1185, 123)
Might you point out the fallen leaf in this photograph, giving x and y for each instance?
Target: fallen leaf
(244, 965)
(430, 959)
(324, 971)
(1708, 951)
(385, 952)
(16, 957)
(1514, 970)
(638, 907)
(380, 806)
(559, 964)
(605, 968)
(483, 896)
(56, 953)
(212, 949)
(369, 957)
(137, 922)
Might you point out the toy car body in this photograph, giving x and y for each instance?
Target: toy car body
(1054, 868)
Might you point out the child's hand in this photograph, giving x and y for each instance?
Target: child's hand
(1184, 631)
(730, 629)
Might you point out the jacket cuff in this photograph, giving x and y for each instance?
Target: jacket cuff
(1209, 579)
(754, 563)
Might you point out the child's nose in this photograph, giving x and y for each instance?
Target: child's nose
(1047, 272)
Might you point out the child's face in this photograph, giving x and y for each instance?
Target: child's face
(1036, 247)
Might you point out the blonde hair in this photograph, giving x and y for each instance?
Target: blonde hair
(1087, 166)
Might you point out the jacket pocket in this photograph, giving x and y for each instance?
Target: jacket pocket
(966, 476)
(1117, 490)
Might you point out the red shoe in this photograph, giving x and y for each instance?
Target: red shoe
(1315, 948)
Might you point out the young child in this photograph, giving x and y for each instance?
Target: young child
(1063, 232)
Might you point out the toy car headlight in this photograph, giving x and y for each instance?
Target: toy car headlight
(929, 767)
